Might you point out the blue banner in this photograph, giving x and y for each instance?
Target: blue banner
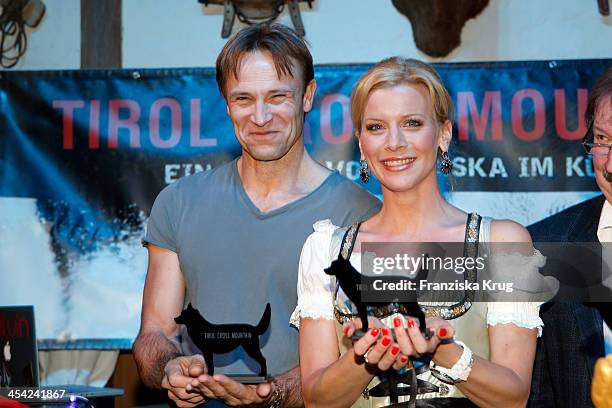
(83, 155)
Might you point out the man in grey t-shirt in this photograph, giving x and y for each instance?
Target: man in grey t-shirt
(228, 240)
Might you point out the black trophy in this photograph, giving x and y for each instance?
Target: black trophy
(214, 338)
(353, 283)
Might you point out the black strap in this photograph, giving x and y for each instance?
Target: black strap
(472, 236)
(470, 250)
(349, 239)
(472, 224)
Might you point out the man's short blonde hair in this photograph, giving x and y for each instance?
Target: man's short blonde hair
(396, 71)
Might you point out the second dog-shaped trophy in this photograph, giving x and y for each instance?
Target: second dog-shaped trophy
(213, 338)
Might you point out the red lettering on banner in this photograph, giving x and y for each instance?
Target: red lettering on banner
(347, 125)
(14, 326)
(176, 123)
(130, 123)
(195, 129)
(483, 120)
(539, 109)
(94, 124)
(68, 108)
(491, 106)
(561, 111)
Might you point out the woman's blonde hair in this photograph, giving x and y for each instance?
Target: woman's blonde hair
(395, 71)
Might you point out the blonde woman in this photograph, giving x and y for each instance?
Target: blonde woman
(481, 353)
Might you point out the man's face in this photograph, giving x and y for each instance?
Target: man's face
(602, 133)
(267, 111)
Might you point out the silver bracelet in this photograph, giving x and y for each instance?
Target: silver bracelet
(459, 372)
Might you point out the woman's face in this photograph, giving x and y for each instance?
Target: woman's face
(400, 138)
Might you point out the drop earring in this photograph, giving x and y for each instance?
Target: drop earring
(364, 171)
(446, 165)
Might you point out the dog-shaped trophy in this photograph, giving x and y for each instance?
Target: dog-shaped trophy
(353, 283)
(222, 338)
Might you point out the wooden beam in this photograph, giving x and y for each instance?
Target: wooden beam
(100, 34)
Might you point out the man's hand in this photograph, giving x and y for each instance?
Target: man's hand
(232, 392)
(178, 375)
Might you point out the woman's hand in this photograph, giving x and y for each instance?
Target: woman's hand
(376, 348)
(411, 340)
(408, 337)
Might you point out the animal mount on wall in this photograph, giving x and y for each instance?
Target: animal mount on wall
(437, 24)
(258, 11)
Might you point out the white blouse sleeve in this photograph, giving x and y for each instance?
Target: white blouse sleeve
(314, 288)
(526, 278)
(522, 314)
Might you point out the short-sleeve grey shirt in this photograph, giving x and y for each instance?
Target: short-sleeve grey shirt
(235, 258)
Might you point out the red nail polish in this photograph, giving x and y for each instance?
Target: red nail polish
(345, 330)
(442, 331)
(374, 332)
(410, 324)
(385, 331)
(397, 322)
(395, 349)
(386, 341)
(403, 359)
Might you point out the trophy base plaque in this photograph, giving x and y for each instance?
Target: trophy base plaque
(249, 378)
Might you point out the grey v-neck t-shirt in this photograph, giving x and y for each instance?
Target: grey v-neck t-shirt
(235, 258)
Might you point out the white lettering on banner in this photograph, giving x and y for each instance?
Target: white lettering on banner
(171, 172)
(339, 166)
(542, 167)
(352, 170)
(349, 169)
(473, 166)
(536, 166)
(588, 164)
(524, 166)
(572, 166)
(490, 167)
(497, 168)
(580, 166)
(174, 171)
